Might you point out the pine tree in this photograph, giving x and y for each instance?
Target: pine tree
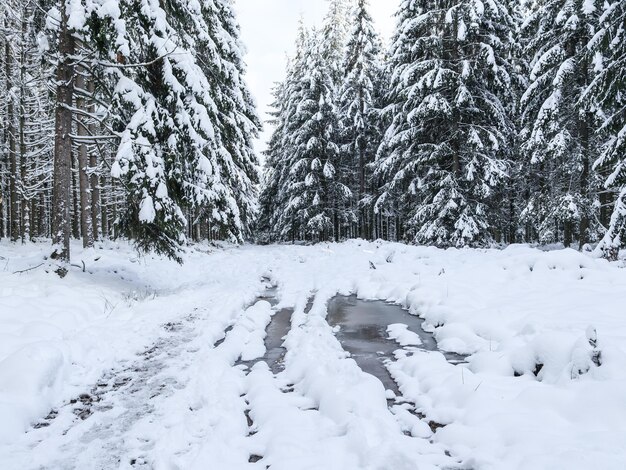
(358, 109)
(274, 171)
(446, 152)
(238, 123)
(558, 137)
(305, 197)
(332, 45)
(317, 199)
(607, 90)
(275, 195)
(334, 36)
(514, 194)
(185, 119)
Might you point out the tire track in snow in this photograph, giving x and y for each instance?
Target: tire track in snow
(89, 431)
(349, 404)
(101, 429)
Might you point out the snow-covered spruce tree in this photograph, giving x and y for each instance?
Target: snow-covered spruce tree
(507, 227)
(267, 227)
(275, 194)
(559, 138)
(608, 91)
(184, 116)
(221, 59)
(446, 151)
(358, 110)
(332, 42)
(27, 117)
(313, 201)
(334, 36)
(410, 44)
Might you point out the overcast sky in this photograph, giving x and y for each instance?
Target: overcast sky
(269, 28)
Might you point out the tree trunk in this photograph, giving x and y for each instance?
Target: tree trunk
(42, 229)
(2, 218)
(567, 234)
(14, 211)
(83, 163)
(362, 187)
(584, 190)
(75, 198)
(93, 178)
(512, 219)
(584, 127)
(63, 142)
(104, 208)
(25, 232)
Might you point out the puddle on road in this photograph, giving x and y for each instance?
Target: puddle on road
(278, 328)
(363, 333)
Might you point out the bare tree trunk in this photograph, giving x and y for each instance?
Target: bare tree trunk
(25, 232)
(361, 144)
(4, 215)
(567, 234)
(75, 198)
(104, 207)
(1, 205)
(93, 177)
(42, 219)
(113, 212)
(83, 163)
(25, 227)
(14, 212)
(63, 143)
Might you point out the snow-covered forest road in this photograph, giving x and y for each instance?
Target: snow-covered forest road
(141, 363)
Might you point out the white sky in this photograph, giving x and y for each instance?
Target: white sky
(269, 29)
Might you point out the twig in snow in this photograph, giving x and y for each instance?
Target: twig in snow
(29, 269)
(79, 267)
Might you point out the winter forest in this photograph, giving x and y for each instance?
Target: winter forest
(481, 123)
(125, 118)
(235, 240)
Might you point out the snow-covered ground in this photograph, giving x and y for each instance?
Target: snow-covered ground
(147, 353)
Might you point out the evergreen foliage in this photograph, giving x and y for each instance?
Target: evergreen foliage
(559, 140)
(482, 123)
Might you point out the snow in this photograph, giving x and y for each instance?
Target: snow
(402, 335)
(58, 337)
(510, 310)
(147, 213)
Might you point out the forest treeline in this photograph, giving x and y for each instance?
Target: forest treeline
(482, 122)
(125, 118)
(485, 121)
